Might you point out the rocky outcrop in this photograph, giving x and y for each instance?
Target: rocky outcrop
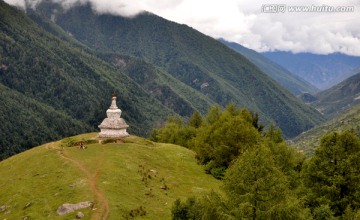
(68, 208)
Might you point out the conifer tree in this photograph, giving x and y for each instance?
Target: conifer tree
(257, 189)
(333, 173)
(195, 120)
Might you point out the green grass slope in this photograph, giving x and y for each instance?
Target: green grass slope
(309, 140)
(199, 61)
(293, 83)
(120, 178)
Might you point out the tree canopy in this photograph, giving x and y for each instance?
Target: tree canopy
(332, 175)
(263, 178)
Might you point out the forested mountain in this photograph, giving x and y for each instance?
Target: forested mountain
(51, 88)
(172, 93)
(322, 71)
(347, 121)
(338, 98)
(293, 83)
(25, 122)
(201, 62)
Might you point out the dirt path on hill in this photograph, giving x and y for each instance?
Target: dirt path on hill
(100, 204)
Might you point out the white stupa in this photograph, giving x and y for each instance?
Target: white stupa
(113, 126)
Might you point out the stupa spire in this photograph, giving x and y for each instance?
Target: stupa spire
(113, 102)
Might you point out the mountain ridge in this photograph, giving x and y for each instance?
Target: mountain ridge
(337, 99)
(197, 60)
(308, 141)
(323, 71)
(67, 77)
(293, 83)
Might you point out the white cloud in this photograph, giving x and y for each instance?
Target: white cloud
(18, 3)
(243, 21)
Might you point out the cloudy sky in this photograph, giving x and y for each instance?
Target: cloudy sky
(259, 25)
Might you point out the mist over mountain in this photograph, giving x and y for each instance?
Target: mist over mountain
(293, 83)
(322, 71)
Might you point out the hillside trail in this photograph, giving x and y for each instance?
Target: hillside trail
(101, 204)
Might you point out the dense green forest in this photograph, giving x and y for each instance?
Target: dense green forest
(43, 63)
(198, 61)
(263, 178)
(26, 122)
(42, 76)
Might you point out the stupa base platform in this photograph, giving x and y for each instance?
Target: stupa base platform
(110, 133)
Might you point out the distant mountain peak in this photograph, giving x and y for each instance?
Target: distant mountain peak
(293, 83)
(323, 71)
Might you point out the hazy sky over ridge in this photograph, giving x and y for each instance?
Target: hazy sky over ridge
(259, 25)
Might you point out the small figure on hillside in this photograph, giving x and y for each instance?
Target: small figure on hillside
(82, 145)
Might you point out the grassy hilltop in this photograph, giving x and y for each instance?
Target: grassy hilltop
(122, 179)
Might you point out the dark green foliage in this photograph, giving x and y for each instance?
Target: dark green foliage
(185, 210)
(258, 185)
(266, 179)
(196, 120)
(25, 122)
(332, 174)
(274, 134)
(68, 142)
(287, 159)
(256, 122)
(172, 93)
(198, 61)
(257, 189)
(217, 139)
(213, 114)
(323, 212)
(351, 214)
(66, 89)
(175, 132)
(223, 135)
